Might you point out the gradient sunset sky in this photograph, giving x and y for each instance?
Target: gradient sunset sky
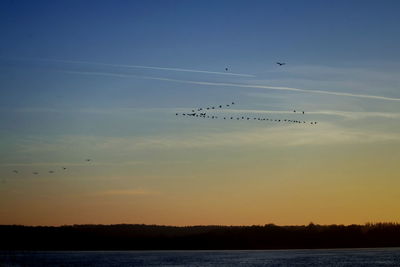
(104, 79)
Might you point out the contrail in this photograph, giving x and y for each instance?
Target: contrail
(237, 85)
(148, 67)
(274, 88)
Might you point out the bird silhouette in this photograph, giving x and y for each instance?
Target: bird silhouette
(64, 168)
(15, 171)
(280, 63)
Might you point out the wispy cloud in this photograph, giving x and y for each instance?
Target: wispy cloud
(287, 135)
(343, 72)
(270, 135)
(126, 192)
(238, 85)
(276, 88)
(340, 113)
(94, 110)
(148, 67)
(357, 114)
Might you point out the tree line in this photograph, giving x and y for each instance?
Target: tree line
(157, 237)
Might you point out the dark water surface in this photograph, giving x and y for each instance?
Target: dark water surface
(320, 257)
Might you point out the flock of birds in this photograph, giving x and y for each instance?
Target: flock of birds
(50, 171)
(202, 113)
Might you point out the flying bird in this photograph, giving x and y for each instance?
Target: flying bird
(91, 160)
(35, 173)
(64, 168)
(226, 69)
(280, 63)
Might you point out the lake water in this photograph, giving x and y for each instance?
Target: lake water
(320, 257)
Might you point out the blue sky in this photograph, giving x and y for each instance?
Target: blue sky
(195, 33)
(104, 80)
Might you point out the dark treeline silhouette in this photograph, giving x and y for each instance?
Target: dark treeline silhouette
(154, 237)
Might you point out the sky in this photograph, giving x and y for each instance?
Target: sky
(103, 80)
